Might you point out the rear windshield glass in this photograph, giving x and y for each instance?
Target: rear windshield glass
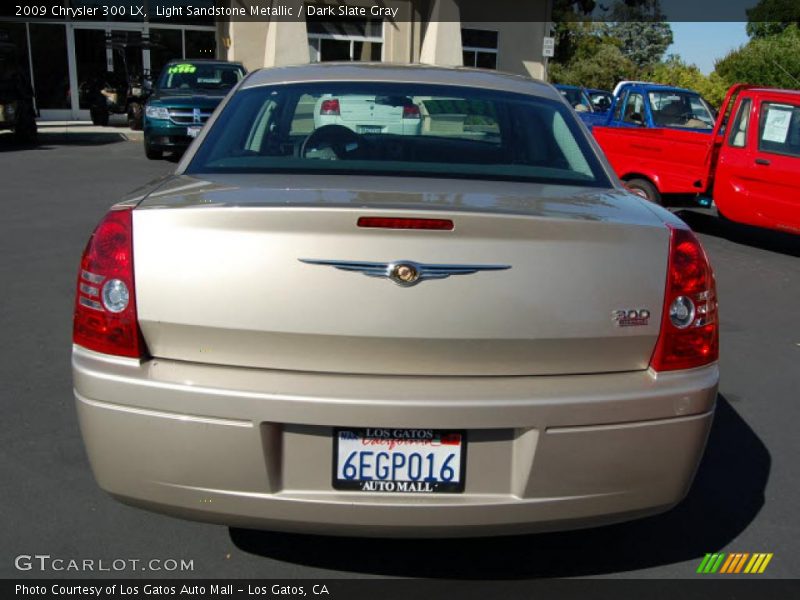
(575, 97)
(679, 109)
(398, 129)
(196, 76)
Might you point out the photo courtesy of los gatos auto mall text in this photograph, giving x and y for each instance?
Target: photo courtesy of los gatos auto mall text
(356, 299)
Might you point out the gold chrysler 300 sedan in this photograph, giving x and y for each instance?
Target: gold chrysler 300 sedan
(466, 328)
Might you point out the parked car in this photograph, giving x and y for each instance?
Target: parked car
(749, 168)
(576, 96)
(601, 100)
(17, 110)
(186, 94)
(579, 99)
(415, 334)
(369, 114)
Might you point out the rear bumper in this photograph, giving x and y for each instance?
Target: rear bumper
(253, 448)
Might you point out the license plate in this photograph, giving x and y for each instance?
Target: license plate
(379, 459)
(370, 129)
(193, 131)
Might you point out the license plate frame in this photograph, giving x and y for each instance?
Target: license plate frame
(370, 129)
(424, 485)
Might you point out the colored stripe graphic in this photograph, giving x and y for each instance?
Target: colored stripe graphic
(765, 563)
(718, 563)
(735, 562)
(715, 563)
(702, 567)
(741, 563)
(733, 559)
(753, 560)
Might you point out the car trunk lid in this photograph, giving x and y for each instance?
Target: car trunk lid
(222, 277)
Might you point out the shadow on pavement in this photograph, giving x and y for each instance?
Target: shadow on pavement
(765, 239)
(46, 140)
(727, 494)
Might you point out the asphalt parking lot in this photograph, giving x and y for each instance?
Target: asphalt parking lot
(744, 498)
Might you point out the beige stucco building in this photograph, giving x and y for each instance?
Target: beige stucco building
(63, 53)
(445, 32)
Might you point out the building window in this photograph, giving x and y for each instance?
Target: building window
(199, 44)
(345, 40)
(480, 48)
(50, 67)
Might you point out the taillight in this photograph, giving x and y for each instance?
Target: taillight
(329, 108)
(689, 334)
(105, 305)
(411, 111)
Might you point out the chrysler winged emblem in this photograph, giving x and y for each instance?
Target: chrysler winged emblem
(404, 273)
(196, 118)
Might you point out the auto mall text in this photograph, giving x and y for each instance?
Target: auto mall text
(124, 589)
(168, 11)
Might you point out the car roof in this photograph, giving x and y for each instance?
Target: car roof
(776, 91)
(390, 73)
(661, 87)
(207, 61)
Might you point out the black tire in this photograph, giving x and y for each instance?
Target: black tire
(99, 115)
(152, 153)
(645, 189)
(135, 116)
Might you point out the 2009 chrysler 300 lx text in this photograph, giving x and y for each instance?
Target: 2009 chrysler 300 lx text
(469, 327)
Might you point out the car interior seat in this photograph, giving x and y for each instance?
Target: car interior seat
(739, 138)
(672, 112)
(182, 81)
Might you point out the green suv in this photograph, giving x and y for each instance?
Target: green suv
(186, 94)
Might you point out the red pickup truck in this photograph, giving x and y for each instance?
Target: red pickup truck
(750, 165)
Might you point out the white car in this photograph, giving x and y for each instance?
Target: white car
(367, 114)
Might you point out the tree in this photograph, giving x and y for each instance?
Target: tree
(637, 27)
(674, 71)
(641, 31)
(771, 17)
(603, 69)
(770, 61)
(599, 54)
(569, 17)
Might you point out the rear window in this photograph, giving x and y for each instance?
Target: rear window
(680, 109)
(398, 129)
(197, 76)
(575, 97)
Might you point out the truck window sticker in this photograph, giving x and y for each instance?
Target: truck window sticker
(776, 123)
(182, 68)
(779, 129)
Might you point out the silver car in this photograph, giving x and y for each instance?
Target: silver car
(467, 329)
